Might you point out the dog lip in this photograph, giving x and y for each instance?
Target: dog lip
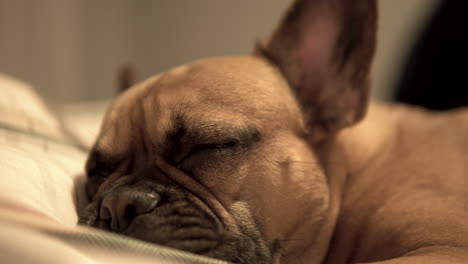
(194, 236)
(199, 191)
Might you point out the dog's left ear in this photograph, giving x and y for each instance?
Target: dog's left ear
(126, 78)
(324, 48)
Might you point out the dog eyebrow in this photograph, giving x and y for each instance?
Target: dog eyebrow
(208, 131)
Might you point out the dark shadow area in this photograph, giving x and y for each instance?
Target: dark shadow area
(435, 74)
(79, 194)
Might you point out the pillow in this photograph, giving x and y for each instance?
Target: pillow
(41, 187)
(83, 119)
(40, 162)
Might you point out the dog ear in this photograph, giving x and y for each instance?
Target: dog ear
(126, 78)
(324, 48)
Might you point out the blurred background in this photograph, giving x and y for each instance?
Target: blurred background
(72, 50)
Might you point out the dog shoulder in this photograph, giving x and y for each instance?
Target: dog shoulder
(409, 186)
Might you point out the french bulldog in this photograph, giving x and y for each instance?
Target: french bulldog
(280, 157)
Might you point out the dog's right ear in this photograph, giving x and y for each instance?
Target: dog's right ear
(324, 49)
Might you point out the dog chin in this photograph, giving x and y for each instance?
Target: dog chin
(189, 225)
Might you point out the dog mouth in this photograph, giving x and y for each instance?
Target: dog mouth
(178, 220)
(184, 224)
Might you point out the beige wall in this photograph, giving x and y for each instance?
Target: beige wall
(72, 49)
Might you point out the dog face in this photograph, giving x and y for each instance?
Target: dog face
(218, 156)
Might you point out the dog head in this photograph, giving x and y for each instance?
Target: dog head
(222, 156)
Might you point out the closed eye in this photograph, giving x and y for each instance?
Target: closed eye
(230, 144)
(185, 140)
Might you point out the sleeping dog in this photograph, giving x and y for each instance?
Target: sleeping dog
(279, 157)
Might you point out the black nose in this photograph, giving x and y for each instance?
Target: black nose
(120, 207)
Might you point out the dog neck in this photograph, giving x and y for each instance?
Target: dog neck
(364, 141)
(343, 156)
(357, 149)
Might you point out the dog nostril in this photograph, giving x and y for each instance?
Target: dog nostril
(121, 207)
(130, 212)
